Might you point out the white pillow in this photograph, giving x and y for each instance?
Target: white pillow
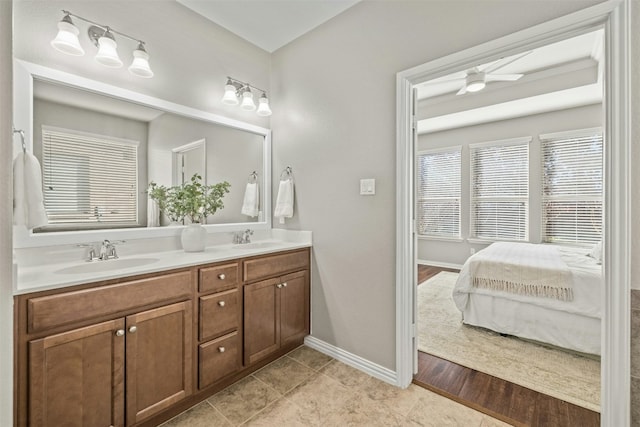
(596, 252)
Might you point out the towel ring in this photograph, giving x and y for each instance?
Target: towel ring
(21, 132)
(253, 177)
(287, 172)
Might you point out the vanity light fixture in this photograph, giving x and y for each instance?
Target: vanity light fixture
(103, 38)
(235, 90)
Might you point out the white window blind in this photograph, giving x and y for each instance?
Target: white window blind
(572, 187)
(500, 190)
(438, 195)
(89, 179)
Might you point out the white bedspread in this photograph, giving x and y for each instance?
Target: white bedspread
(586, 276)
(522, 268)
(569, 324)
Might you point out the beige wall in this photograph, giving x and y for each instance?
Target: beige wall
(6, 280)
(333, 96)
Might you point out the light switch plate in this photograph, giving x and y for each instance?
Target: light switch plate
(367, 187)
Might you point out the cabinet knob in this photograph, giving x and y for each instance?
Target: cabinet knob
(120, 332)
(133, 329)
(221, 276)
(221, 303)
(284, 285)
(279, 286)
(221, 349)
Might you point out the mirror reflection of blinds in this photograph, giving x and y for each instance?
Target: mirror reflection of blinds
(89, 178)
(438, 204)
(572, 187)
(500, 190)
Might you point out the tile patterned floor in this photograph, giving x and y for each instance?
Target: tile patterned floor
(308, 388)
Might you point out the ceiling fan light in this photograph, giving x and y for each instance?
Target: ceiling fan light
(475, 82)
(66, 40)
(107, 54)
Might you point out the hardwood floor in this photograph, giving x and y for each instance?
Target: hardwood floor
(493, 396)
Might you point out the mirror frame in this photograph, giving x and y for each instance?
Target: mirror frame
(26, 72)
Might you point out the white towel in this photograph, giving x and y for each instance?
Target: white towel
(153, 213)
(250, 205)
(28, 202)
(284, 202)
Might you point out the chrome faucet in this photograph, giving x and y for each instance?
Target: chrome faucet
(107, 251)
(242, 237)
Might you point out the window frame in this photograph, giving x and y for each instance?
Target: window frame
(88, 225)
(450, 149)
(547, 138)
(473, 198)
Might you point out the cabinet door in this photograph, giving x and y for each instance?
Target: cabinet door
(294, 307)
(261, 320)
(159, 359)
(76, 378)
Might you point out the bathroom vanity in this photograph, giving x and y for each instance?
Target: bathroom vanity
(140, 348)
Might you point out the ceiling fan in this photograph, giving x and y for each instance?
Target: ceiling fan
(476, 78)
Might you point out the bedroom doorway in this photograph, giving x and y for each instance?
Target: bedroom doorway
(513, 171)
(613, 18)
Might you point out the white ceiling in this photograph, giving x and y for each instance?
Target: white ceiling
(560, 75)
(269, 24)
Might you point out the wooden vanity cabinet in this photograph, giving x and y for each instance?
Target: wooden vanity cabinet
(109, 373)
(276, 310)
(137, 351)
(219, 323)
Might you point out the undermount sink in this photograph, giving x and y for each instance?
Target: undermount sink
(256, 245)
(109, 265)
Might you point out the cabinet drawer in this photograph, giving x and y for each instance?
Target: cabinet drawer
(255, 269)
(77, 306)
(218, 278)
(219, 313)
(218, 358)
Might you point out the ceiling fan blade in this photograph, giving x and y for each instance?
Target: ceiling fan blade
(462, 91)
(503, 62)
(503, 77)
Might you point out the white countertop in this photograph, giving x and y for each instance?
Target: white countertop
(51, 276)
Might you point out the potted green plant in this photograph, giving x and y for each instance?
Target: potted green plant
(192, 201)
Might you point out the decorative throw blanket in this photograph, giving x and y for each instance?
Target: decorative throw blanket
(522, 268)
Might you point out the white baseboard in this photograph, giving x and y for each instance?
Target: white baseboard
(364, 365)
(440, 264)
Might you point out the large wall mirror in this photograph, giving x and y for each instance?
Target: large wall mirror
(98, 143)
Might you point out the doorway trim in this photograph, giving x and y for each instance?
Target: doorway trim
(613, 15)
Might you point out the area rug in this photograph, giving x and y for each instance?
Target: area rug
(565, 375)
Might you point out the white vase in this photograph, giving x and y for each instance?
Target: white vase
(193, 238)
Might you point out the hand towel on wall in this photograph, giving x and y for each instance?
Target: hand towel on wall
(284, 202)
(153, 213)
(250, 205)
(28, 202)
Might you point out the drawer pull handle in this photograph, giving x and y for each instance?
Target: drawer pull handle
(221, 303)
(221, 276)
(284, 285)
(221, 349)
(120, 332)
(279, 286)
(133, 329)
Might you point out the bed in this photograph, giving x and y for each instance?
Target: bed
(564, 316)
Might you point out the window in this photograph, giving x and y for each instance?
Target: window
(572, 186)
(500, 189)
(89, 179)
(439, 193)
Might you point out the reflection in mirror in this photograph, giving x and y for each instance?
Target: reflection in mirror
(99, 154)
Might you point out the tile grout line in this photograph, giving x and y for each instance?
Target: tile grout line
(218, 411)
